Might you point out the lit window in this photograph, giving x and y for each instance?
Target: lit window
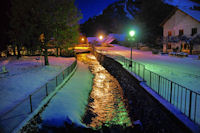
(169, 33)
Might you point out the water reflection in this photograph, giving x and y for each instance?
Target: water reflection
(106, 99)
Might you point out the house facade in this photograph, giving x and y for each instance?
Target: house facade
(179, 31)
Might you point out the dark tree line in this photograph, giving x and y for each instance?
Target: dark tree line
(149, 17)
(4, 24)
(57, 20)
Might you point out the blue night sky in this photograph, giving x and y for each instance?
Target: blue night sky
(90, 8)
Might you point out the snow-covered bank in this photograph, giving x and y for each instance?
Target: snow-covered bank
(25, 76)
(70, 102)
(184, 71)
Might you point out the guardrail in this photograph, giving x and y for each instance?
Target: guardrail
(183, 98)
(19, 112)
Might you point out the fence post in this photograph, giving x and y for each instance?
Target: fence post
(46, 89)
(131, 66)
(185, 100)
(171, 92)
(143, 73)
(195, 107)
(135, 67)
(158, 84)
(63, 75)
(31, 103)
(190, 104)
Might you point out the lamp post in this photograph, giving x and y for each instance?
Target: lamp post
(131, 38)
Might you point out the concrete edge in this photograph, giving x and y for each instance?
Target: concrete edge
(178, 114)
(43, 103)
(194, 128)
(184, 120)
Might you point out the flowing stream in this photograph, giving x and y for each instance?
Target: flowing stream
(106, 105)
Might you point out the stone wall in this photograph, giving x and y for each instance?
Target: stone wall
(142, 106)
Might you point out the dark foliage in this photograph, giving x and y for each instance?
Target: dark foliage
(149, 18)
(56, 20)
(4, 25)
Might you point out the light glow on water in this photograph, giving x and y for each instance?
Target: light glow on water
(108, 105)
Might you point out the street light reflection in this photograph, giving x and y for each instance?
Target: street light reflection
(106, 104)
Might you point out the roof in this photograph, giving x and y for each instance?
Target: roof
(193, 13)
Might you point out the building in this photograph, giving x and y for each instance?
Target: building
(181, 31)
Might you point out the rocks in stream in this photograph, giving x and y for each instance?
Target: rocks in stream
(35, 126)
(142, 106)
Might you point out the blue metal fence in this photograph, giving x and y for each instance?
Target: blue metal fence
(14, 116)
(183, 98)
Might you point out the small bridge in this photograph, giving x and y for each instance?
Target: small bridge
(82, 48)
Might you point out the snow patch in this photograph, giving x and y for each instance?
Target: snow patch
(69, 104)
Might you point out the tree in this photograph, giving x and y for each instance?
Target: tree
(150, 15)
(4, 25)
(66, 24)
(49, 18)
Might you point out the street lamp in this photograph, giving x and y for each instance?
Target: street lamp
(100, 37)
(83, 39)
(132, 33)
(131, 38)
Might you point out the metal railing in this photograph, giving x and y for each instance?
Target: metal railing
(10, 119)
(183, 98)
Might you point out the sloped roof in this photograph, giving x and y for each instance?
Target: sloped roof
(193, 13)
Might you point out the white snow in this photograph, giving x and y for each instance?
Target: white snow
(70, 102)
(25, 76)
(181, 3)
(119, 37)
(184, 71)
(185, 6)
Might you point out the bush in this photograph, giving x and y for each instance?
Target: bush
(69, 53)
(155, 51)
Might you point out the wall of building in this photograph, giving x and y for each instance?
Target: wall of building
(180, 21)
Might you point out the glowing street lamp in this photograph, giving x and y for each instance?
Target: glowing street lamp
(131, 38)
(100, 37)
(83, 39)
(132, 33)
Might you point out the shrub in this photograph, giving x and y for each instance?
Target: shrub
(155, 51)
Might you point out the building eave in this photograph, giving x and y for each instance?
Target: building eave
(173, 12)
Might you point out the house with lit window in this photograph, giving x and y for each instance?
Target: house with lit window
(181, 31)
